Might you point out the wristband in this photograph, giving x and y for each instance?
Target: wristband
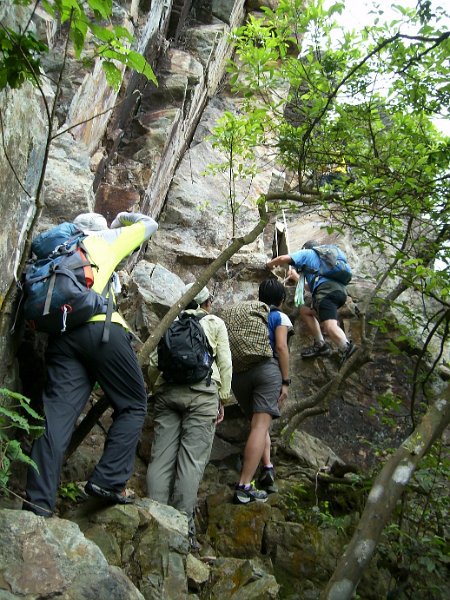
(286, 381)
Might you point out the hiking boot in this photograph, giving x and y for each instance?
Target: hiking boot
(92, 489)
(350, 349)
(37, 510)
(316, 350)
(243, 496)
(266, 480)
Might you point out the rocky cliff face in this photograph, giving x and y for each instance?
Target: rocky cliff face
(148, 151)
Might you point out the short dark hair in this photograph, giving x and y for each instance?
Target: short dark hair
(271, 291)
(310, 244)
(192, 305)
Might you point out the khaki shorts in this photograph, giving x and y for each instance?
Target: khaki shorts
(257, 390)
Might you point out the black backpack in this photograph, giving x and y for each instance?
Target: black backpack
(57, 283)
(184, 353)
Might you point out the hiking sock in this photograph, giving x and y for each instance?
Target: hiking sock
(244, 486)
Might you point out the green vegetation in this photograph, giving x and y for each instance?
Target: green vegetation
(16, 415)
(415, 545)
(363, 101)
(88, 23)
(362, 107)
(70, 491)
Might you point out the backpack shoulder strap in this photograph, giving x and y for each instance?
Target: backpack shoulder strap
(107, 293)
(198, 318)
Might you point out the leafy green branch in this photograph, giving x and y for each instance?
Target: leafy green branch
(21, 52)
(15, 414)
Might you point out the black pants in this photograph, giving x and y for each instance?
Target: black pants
(75, 361)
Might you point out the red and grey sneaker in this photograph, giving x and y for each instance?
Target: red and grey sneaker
(245, 495)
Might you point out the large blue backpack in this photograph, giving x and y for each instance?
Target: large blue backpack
(57, 283)
(184, 353)
(333, 264)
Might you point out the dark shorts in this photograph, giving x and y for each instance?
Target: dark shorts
(327, 299)
(258, 389)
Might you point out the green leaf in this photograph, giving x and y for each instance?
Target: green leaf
(69, 9)
(15, 453)
(102, 7)
(49, 8)
(102, 33)
(78, 36)
(137, 61)
(122, 33)
(113, 74)
(13, 416)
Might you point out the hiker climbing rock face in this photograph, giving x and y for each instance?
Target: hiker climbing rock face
(259, 334)
(190, 375)
(326, 271)
(97, 350)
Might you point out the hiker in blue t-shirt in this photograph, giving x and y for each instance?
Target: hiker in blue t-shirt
(327, 295)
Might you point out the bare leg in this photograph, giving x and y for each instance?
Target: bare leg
(255, 446)
(266, 454)
(336, 334)
(308, 316)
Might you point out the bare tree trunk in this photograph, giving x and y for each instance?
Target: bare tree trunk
(384, 495)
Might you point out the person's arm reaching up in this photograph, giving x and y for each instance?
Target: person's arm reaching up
(282, 260)
(125, 219)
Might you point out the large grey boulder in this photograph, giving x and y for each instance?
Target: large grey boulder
(51, 558)
(148, 540)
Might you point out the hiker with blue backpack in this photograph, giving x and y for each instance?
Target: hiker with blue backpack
(73, 280)
(327, 272)
(190, 374)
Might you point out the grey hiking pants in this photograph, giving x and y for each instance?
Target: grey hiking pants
(75, 361)
(184, 427)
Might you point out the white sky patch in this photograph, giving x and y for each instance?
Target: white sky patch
(359, 14)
